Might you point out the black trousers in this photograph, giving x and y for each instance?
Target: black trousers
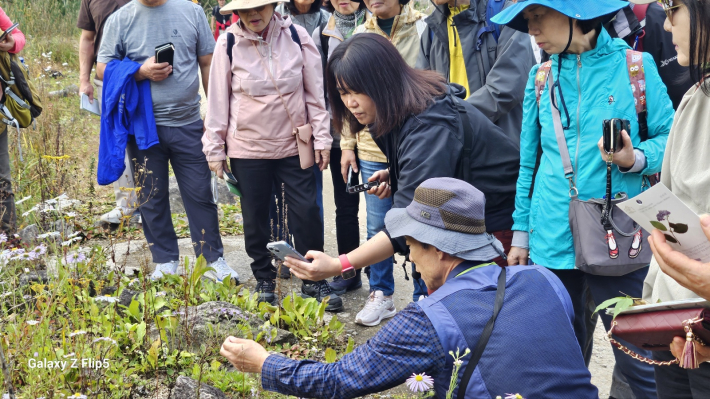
(674, 382)
(256, 179)
(346, 208)
(7, 197)
(179, 147)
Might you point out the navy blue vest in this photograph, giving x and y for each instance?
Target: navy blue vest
(532, 350)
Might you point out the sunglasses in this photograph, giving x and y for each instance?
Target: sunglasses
(669, 8)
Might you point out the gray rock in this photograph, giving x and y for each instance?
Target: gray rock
(71, 89)
(126, 297)
(176, 205)
(211, 322)
(29, 234)
(39, 276)
(186, 388)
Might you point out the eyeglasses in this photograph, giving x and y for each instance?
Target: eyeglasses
(669, 8)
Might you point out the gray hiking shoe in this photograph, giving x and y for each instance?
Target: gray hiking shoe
(221, 271)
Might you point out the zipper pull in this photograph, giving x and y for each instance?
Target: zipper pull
(579, 60)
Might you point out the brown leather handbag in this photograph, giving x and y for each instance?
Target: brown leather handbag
(655, 331)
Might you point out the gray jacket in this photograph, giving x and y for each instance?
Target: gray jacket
(497, 75)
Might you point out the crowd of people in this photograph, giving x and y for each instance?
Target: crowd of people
(478, 149)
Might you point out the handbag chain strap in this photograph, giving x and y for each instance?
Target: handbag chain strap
(293, 125)
(644, 359)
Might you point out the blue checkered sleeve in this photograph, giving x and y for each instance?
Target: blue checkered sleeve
(407, 344)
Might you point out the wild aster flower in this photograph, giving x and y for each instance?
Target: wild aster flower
(78, 396)
(106, 298)
(50, 234)
(662, 215)
(254, 392)
(74, 258)
(77, 332)
(161, 293)
(32, 322)
(107, 339)
(23, 200)
(3, 238)
(419, 383)
(36, 354)
(513, 396)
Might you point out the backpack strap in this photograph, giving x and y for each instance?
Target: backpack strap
(463, 170)
(294, 36)
(640, 11)
(541, 80)
(541, 77)
(485, 336)
(637, 76)
(230, 46)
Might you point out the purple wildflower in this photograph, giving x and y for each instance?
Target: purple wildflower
(662, 215)
(419, 383)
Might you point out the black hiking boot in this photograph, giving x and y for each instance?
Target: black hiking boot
(320, 290)
(266, 289)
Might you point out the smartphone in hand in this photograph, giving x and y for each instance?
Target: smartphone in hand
(612, 140)
(282, 249)
(8, 30)
(353, 187)
(165, 53)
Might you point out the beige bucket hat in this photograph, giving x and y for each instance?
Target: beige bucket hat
(235, 5)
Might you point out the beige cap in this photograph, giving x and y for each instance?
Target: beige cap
(235, 5)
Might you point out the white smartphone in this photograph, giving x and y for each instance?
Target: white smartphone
(281, 249)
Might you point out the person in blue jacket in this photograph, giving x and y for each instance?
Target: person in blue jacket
(591, 77)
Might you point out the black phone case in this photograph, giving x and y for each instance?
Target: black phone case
(165, 53)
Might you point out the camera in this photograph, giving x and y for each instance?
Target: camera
(612, 134)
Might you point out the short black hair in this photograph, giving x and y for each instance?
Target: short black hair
(315, 7)
(588, 25)
(699, 41)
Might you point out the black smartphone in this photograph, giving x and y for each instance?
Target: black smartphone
(9, 30)
(353, 187)
(612, 134)
(165, 53)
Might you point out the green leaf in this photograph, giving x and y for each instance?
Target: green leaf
(286, 319)
(215, 365)
(680, 228)
(659, 225)
(330, 355)
(134, 310)
(351, 345)
(622, 305)
(140, 333)
(608, 303)
(153, 353)
(670, 238)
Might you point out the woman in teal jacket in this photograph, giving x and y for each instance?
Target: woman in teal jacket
(592, 83)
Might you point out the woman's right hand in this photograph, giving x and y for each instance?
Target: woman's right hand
(518, 256)
(217, 167)
(383, 190)
(348, 159)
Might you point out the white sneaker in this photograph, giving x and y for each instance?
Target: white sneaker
(221, 271)
(162, 269)
(116, 215)
(377, 308)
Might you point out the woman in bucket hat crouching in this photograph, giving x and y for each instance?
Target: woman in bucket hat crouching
(512, 325)
(263, 91)
(589, 78)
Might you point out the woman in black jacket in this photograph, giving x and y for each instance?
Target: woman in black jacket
(420, 123)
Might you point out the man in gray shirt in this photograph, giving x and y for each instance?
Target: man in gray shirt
(133, 32)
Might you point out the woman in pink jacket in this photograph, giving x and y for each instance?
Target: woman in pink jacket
(272, 81)
(13, 43)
